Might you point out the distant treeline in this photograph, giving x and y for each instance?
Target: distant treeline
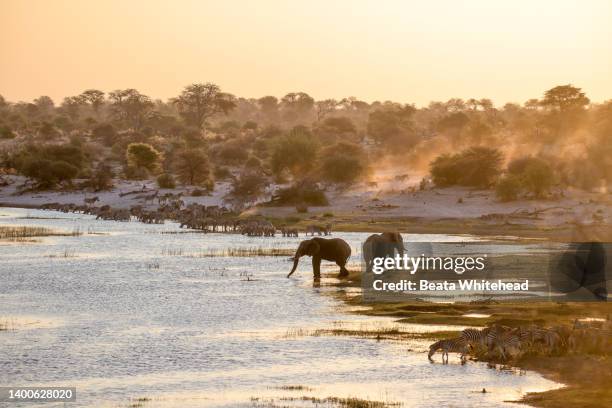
(205, 135)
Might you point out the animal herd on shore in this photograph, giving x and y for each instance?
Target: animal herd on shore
(502, 343)
(195, 216)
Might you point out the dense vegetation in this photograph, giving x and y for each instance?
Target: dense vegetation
(205, 135)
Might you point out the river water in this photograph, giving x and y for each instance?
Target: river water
(129, 311)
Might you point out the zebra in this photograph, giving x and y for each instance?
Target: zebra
(506, 341)
(475, 337)
(454, 345)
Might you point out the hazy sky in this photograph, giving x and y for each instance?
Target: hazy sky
(407, 51)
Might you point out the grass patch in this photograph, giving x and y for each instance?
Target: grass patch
(245, 252)
(24, 233)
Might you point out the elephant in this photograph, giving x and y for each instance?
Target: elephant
(382, 246)
(334, 249)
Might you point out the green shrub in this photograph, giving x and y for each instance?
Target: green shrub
(508, 188)
(300, 194)
(475, 167)
(166, 181)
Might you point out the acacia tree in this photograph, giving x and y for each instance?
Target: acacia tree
(198, 102)
(131, 106)
(94, 98)
(325, 107)
(564, 98)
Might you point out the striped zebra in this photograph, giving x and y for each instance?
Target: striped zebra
(475, 337)
(506, 342)
(454, 345)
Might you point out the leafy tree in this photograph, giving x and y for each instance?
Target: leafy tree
(106, 133)
(564, 98)
(45, 104)
(131, 106)
(538, 177)
(295, 152)
(248, 187)
(393, 128)
(342, 163)
(94, 98)
(325, 107)
(48, 132)
(198, 102)
(143, 156)
(192, 166)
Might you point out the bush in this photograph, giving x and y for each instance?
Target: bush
(248, 187)
(6, 133)
(508, 188)
(166, 181)
(222, 173)
(102, 178)
(475, 167)
(231, 153)
(143, 156)
(106, 133)
(49, 173)
(535, 175)
(192, 166)
(300, 194)
(301, 208)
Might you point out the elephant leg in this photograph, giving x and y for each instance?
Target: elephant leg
(343, 271)
(316, 267)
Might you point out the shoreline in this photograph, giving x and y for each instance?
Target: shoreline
(585, 378)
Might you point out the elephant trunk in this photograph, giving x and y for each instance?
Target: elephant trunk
(296, 259)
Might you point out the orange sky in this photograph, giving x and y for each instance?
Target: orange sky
(407, 51)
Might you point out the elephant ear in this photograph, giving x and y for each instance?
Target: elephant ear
(313, 248)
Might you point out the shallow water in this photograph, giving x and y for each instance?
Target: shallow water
(129, 311)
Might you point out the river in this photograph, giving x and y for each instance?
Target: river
(126, 311)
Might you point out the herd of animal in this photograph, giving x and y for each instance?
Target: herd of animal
(502, 343)
(194, 216)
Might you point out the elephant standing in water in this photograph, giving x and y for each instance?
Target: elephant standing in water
(336, 250)
(382, 246)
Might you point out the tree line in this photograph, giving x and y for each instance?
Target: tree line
(205, 135)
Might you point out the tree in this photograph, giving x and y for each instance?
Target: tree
(248, 187)
(45, 104)
(325, 107)
(131, 106)
(295, 152)
(342, 163)
(143, 156)
(72, 106)
(198, 102)
(94, 98)
(538, 177)
(393, 127)
(192, 166)
(102, 177)
(106, 133)
(564, 98)
(269, 107)
(297, 105)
